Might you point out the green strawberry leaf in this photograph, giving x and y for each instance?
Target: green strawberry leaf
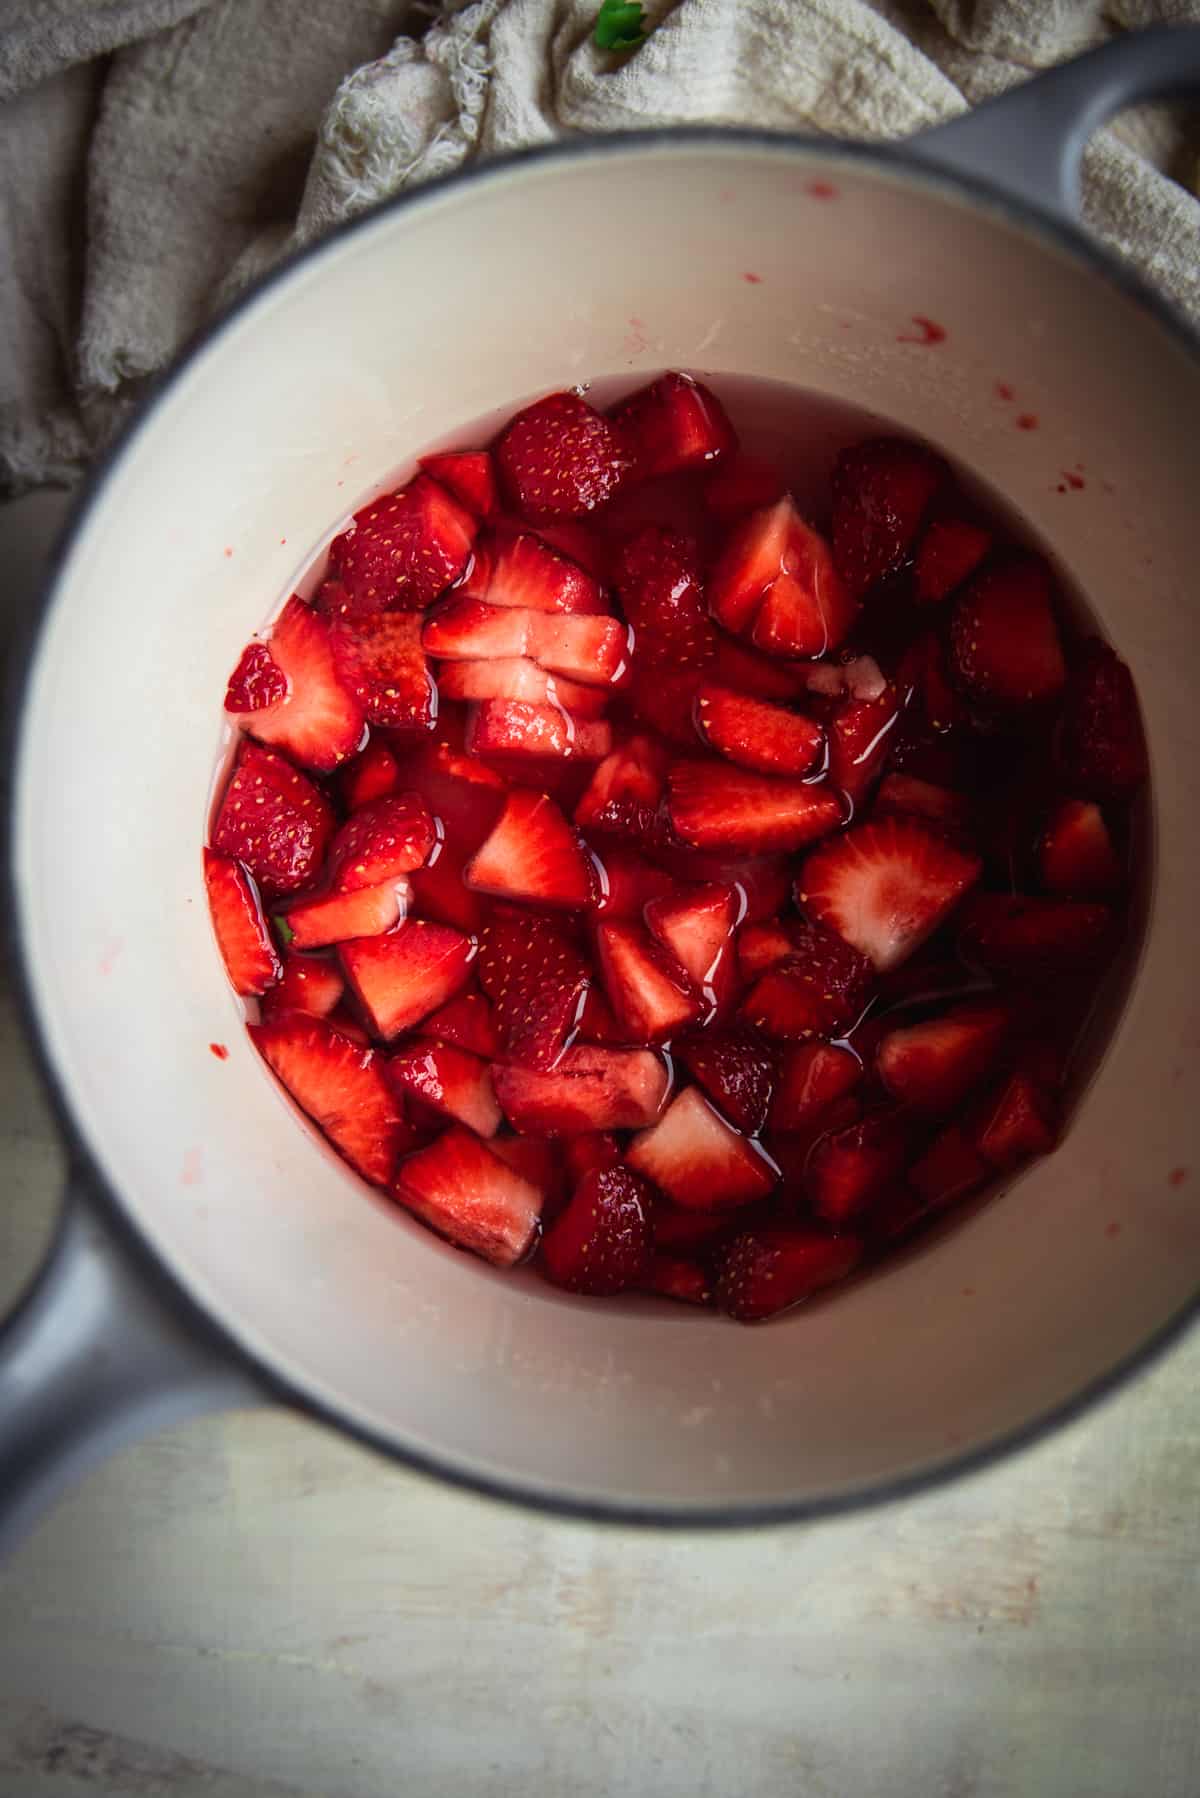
(620, 25)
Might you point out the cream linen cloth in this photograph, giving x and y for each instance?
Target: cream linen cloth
(157, 154)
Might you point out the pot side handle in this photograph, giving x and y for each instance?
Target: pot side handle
(1029, 143)
(92, 1357)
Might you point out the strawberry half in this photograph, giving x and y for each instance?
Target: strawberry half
(380, 661)
(341, 1087)
(1017, 937)
(678, 1277)
(399, 552)
(1015, 1122)
(590, 1090)
(860, 734)
(885, 886)
(532, 855)
(403, 976)
(673, 424)
(519, 678)
(741, 484)
(736, 1072)
(713, 807)
(562, 457)
(776, 583)
(697, 929)
(273, 820)
(932, 1066)
(820, 989)
(256, 683)
(372, 775)
(657, 578)
(380, 841)
(756, 734)
(468, 475)
(467, 1022)
(769, 1270)
(882, 490)
(449, 1080)
(625, 791)
(693, 1156)
(241, 931)
(339, 917)
(537, 981)
(315, 719)
(1005, 648)
(1100, 749)
(647, 989)
(513, 727)
(471, 1196)
(848, 1172)
(811, 1078)
(951, 550)
(601, 1242)
(309, 984)
(1075, 854)
(521, 569)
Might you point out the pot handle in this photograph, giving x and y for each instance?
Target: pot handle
(94, 1356)
(1029, 143)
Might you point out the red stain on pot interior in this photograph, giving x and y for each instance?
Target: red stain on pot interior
(1074, 481)
(1113, 1229)
(220, 1051)
(928, 331)
(1177, 1176)
(1003, 391)
(754, 280)
(228, 550)
(192, 1171)
(821, 190)
(1027, 421)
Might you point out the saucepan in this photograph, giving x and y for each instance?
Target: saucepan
(209, 1251)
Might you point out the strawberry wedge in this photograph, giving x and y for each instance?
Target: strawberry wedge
(697, 929)
(449, 1080)
(340, 1085)
(403, 976)
(1005, 649)
(625, 791)
(532, 855)
(713, 807)
(694, 1156)
(767, 1271)
(603, 1240)
(399, 552)
(882, 490)
(522, 569)
(673, 424)
(537, 981)
(521, 679)
(338, 917)
(380, 661)
(465, 1192)
(775, 582)
(241, 931)
(756, 734)
(382, 840)
(467, 474)
(885, 886)
(648, 990)
(274, 821)
(591, 1089)
(315, 717)
(513, 728)
(590, 649)
(561, 457)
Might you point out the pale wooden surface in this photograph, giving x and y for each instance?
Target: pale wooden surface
(251, 1608)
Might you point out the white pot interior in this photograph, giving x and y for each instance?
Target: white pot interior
(393, 337)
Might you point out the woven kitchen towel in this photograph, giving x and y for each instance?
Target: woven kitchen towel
(141, 191)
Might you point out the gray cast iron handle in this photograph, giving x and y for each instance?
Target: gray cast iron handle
(93, 1357)
(1029, 143)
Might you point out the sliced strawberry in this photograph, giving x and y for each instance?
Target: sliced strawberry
(682, 1232)
(1024, 938)
(693, 1156)
(467, 1022)
(598, 1023)
(380, 841)
(820, 989)
(520, 679)
(256, 683)
(647, 989)
(463, 795)
(848, 1172)
(465, 1192)
(678, 1277)
(860, 737)
(885, 886)
(665, 701)
(593, 651)
(763, 946)
(532, 855)
(399, 552)
(756, 734)
(468, 630)
(590, 1090)
(762, 676)
(775, 582)
(468, 475)
(513, 727)
(403, 976)
(582, 1154)
(932, 1066)
(536, 1161)
(625, 883)
(449, 1080)
(560, 456)
(521, 569)
(537, 981)
(1076, 852)
(741, 484)
(1015, 1122)
(811, 1078)
(736, 1072)
(340, 917)
(790, 1149)
(439, 891)
(1100, 748)
(950, 1169)
(673, 424)
(1005, 648)
(951, 550)
(882, 490)
(903, 795)
(372, 775)
(714, 807)
(581, 542)
(657, 578)
(316, 720)
(380, 661)
(341, 1087)
(309, 984)
(697, 928)
(767, 1270)
(602, 1241)
(241, 930)
(274, 820)
(624, 792)
(763, 881)
(923, 684)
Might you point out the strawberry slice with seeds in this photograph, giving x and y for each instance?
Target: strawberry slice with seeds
(811, 1078)
(468, 475)
(273, 820)
(625, 884)
(697, 929)
(1022, 938)
(537, 981)
(469, 630)
(466, 1022)
(764, 946)
(532, 855)
(714, 807)
(647, 989)
(583, 1154)
(665, 701)
(469, 1194)
(399, 552)
(1076, 854)
(657, 579)
(521, 569)
(885, 886)
(1100, 749)
(382, 840)
(678, 1277)
(309, 984)
(882, 490)
(340, 917)
(520, 679)
(1005, 648)
(762, 676)
(241, 931)
(598, 1022)
(561, 456)
(449, 1080)
(860, 737)
(673, 424)
(591, 650)
(1015, 1122)
(933, 1065)
(694, 1157)
(756, 734)
(340, 1085)
(951, 550)
(769, 1270)
(590, 1090)
(513, 727)
(380, 661)
(741, 484)
(403, 976)
(820, 989)
(257, 682)
(372, 775)
(601, 1242)
(316, 719)
(625, 792)
(775, 581)
(463, 795)
(736, 1072)
(849, 1172)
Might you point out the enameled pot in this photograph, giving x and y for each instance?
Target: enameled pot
(212, 1251)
